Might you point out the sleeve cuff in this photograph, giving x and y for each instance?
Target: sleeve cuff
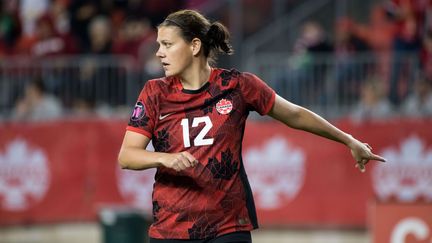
(140, 131)
(270, 104)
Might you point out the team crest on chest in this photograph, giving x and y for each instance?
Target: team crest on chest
(224, 106)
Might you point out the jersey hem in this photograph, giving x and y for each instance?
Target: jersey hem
(221, 233)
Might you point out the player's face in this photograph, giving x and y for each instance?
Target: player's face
(174, 52)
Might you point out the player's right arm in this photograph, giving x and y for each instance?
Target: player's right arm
(134, 156)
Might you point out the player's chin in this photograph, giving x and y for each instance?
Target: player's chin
(169, 73)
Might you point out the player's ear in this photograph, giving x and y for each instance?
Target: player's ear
(196, 46)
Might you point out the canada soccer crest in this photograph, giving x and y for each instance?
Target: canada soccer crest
(224, 106)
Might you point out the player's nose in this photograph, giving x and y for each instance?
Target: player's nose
(159, 53)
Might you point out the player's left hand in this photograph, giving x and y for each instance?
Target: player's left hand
(362, 154)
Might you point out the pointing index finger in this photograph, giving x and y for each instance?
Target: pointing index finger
(378, 158)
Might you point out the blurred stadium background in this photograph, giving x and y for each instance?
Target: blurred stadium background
(70, 72)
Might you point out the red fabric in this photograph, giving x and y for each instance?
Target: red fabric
(415, 9)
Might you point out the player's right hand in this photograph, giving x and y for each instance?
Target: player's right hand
(362, 154)
(179, 161)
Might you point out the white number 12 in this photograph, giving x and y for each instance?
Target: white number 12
(199, 140)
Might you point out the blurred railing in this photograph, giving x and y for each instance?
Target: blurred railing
(329, 84)
(82, 82)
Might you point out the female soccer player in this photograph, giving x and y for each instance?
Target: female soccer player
(195, 117)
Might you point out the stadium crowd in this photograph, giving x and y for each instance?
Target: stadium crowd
(51, 28)
(395, 79)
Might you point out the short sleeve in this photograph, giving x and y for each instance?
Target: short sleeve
(142, 118)
(257, 94)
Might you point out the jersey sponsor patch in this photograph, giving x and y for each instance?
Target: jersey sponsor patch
(138, 111)
(224, 106)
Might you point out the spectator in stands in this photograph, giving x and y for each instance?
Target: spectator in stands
(312, 39)
(81, 13)
(409, 17)
(404, 62)
(405, 10)
(83, 104)
(137, 39)
(100, 35)
(37, 104)
(59, 12)
(101, 82)
(419, 103)
(10, 28)
(348, 72)
(373, 104)
(47, 41)
(379, 34)
(29, 12)
(134, 37)
(426, 55)
(308, 72)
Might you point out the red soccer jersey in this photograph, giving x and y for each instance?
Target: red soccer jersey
(214, 197)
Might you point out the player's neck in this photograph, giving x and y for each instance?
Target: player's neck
(196, 76)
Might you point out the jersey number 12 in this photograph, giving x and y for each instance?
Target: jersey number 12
(199, 140)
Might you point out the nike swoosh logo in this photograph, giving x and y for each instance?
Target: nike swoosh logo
(161, 117)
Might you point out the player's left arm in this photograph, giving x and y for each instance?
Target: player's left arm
(301, 118)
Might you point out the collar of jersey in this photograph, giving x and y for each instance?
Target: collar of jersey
(197, 91)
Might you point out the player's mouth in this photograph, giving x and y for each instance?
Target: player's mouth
(165, 65)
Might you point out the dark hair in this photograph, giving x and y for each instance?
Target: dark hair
(215, 37)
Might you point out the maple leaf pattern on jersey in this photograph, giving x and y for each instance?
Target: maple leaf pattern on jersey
(207, 106)
(224, 169)
(227, 75)
(161, 143)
